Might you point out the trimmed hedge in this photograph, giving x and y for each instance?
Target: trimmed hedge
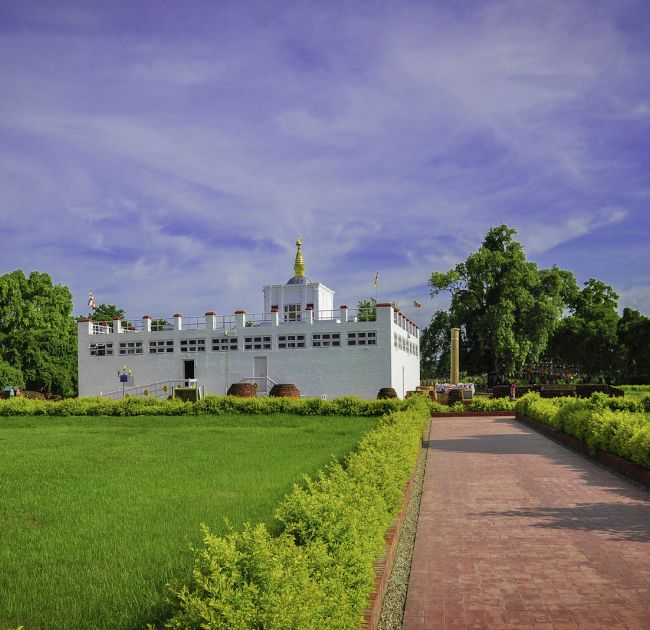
(486, 404)
(603, 423)
(317, 570)
(211, 404)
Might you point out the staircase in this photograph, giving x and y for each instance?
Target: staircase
(160, 390)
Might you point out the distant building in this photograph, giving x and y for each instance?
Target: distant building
(300, 338)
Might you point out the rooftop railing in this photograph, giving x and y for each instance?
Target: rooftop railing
(252, 320)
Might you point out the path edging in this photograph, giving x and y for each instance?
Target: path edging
(618, 464)
(384, 564)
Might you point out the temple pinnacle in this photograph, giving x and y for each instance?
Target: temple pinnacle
(299, 266)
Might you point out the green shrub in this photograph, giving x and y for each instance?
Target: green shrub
(486, 404)
(211, 404)
(602, 423)
(318, 571)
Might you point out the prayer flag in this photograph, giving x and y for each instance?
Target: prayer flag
(377, 279)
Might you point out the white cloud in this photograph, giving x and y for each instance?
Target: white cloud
(637, 298)
(541, 237)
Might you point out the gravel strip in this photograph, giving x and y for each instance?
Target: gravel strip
(392, 611)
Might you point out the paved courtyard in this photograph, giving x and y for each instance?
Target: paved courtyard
(516, 531)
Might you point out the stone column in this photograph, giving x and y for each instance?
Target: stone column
(454, 377)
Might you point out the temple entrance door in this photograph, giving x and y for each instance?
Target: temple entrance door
(261, 374)
(188, 370)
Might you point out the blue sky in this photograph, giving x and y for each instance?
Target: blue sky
(165, 155)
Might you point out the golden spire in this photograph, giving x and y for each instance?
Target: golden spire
(299, 266)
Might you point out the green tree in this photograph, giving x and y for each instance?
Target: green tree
(588, 336)
(38, 335)
(435, 347)
(504, 305)
(634, 337)
(367, 310)
(106, 313)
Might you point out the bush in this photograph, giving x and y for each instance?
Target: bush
(602, 423)
(486, 404)
(211, 404)
(318, 571)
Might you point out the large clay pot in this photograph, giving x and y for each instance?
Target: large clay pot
(243, 390)
(386, 392)
(285, 390)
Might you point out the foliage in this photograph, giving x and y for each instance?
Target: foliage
(435, 348)
(588, 335)
(38, 335)
(98, 513)
(634, 337)
(9, 375)
(211, 404)
(504, 305)
(481, 403)
(318, 571)
(106, 313)
(367, 310)
(597, 421)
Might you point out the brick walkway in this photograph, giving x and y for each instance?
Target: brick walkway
(516, 531)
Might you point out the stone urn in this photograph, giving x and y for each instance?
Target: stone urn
(286, 390)
(243, 390)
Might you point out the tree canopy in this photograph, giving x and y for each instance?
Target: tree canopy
(504, 305)
(512, 314)
(367, 310)
(38, 335)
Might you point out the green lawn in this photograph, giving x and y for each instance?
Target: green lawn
(635, 391)
(97, 514)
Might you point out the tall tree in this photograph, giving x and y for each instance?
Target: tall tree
(588, 335)
(634, 337)
(504, 305)
(38, 335)
(435, 347)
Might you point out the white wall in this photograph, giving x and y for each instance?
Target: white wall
(334, 371)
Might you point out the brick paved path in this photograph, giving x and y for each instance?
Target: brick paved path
(516, 531)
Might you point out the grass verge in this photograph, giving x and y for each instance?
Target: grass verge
(315, 568)
(97, 514)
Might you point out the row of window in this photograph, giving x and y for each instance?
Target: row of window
(227, 344)
(401, 343)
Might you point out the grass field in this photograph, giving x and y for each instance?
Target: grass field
(635, 391)
(97, 514)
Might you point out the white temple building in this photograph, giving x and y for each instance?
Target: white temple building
(300, 338)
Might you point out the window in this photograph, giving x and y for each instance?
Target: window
(130, 347)
(101, 349)
(292, 312)
(165, 345)
(326, 340)
(257, 343)
(362, 338)
(192, 345)
(224, 344)
(291, 341)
